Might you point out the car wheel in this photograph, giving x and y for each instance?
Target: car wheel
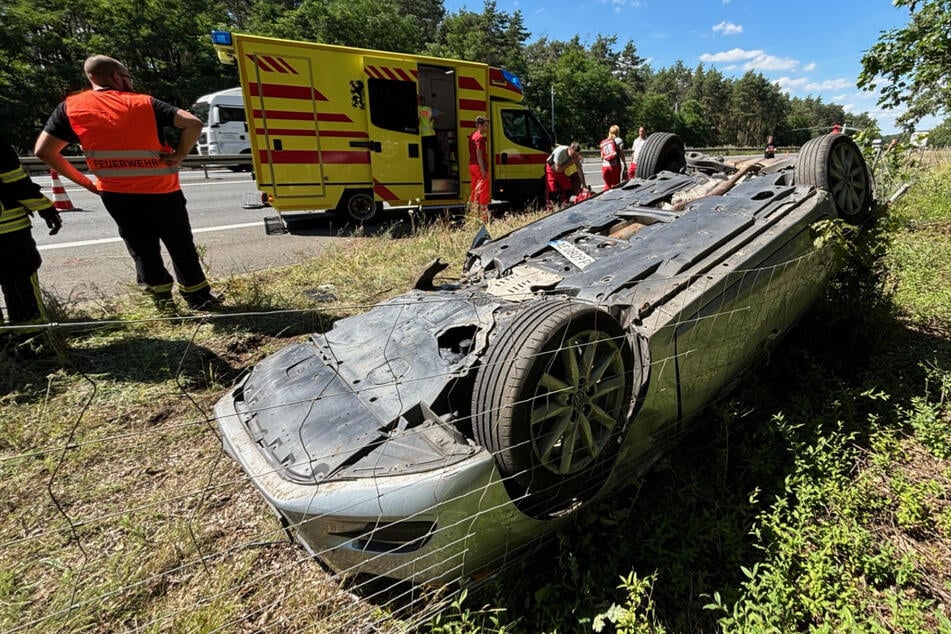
(360, 206)
(550, 400)
(662, 151)
(834, 163)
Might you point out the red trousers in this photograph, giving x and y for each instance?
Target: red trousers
(611, 175)
(480, 186)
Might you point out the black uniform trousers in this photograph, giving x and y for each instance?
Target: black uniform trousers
(146, 219)
(19, 262)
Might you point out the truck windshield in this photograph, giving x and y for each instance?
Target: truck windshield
(227, 114)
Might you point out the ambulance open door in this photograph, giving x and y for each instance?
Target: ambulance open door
(393, 126)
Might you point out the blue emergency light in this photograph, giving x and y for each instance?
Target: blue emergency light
(510, 77)
(221, 37)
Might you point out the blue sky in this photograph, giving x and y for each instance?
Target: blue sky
(807, 47)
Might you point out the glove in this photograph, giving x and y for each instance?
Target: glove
(52, 219)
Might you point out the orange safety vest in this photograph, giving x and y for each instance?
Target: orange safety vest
(118, 132)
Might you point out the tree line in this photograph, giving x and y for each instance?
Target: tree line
(584, 87)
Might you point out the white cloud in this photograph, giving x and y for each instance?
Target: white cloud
(808, 68)
(753, 60)
(733, 55)
(788, 84)
(728, 28)
(830, 84)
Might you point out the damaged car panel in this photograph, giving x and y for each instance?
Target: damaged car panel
(431, 437)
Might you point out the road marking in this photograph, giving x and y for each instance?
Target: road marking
(87, 243)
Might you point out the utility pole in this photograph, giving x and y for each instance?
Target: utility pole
(553, 112)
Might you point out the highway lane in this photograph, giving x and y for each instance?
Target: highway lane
(87, 260)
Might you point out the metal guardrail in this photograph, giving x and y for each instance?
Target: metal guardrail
(203, 161)
(193, 161)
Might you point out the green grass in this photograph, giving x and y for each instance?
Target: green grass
(814, 498)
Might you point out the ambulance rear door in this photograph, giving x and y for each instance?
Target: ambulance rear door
(393, 126)
(285, 111)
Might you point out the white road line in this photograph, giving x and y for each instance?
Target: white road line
(86, 243)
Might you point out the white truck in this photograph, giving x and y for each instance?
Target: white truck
(226, 127)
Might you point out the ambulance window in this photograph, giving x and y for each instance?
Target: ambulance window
(226, 114)
(521, 127)
(393, 105)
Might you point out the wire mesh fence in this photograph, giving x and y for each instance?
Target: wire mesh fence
(124, 512)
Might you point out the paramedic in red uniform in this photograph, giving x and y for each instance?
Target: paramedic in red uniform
(137, 172)
(19, 257)
(612, 158)
(479, 168)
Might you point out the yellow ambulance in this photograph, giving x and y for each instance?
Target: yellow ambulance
(352, 130)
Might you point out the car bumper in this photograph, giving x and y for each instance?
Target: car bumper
(441, 525)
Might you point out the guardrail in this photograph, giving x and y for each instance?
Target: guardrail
(193, 161)
(243, 161)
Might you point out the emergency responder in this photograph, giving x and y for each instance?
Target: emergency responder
(121, 133)
(479, 169)
(19, 257)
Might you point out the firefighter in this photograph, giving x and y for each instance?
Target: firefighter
(121, 135)
(19, 257)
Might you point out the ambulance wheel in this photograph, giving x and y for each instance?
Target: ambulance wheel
(360, 206)
(662, 151)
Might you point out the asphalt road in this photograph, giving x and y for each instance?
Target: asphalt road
(87, 260)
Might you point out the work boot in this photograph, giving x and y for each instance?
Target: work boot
(204, 300)
(163, 301)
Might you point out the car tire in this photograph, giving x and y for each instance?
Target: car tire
(360, 206)
(834, 163)
(662, 151)
(550, 401)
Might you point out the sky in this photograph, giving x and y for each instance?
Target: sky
(807, 47)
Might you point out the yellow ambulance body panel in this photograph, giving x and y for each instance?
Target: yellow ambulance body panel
(338, 128)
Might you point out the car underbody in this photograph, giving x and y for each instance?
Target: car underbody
(435, 435)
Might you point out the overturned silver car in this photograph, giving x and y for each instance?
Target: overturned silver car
(435, 435)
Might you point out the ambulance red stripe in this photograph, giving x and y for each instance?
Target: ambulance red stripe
(521, 159)
(290, 115)
(352, 134)
(281, 91)
(383, 191)
(469, 83)
(311, 157)
(472, 104)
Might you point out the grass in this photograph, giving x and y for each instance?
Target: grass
(815, 497)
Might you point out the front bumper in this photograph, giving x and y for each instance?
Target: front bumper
(435, 526)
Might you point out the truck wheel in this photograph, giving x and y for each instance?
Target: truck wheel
(834, 163)
(360, 206)
(662, 151)
(550, 400)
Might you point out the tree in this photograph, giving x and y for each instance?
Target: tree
(164, 43)
(940, 135)
(588, 95)
(375, 24)
(911, 66)
(492, 37)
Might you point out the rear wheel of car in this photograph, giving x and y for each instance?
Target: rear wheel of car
(834, 163)
(662, 151)
(360, 206)
(550, 400)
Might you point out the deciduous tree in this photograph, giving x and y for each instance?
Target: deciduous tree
(911, 66)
